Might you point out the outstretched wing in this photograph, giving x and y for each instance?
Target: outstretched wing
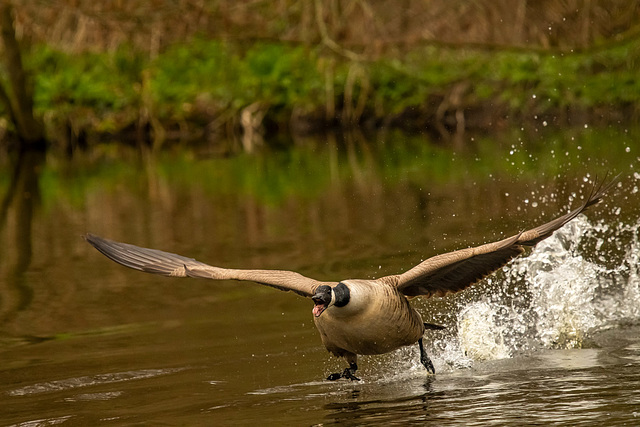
(455, 271)
(168, 264)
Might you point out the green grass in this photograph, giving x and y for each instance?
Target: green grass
(207, 79)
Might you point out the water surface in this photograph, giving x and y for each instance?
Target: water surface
(553, 338)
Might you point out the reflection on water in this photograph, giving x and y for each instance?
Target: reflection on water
(21, 197)
(552, 339)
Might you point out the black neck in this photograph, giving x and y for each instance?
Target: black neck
(342, 294)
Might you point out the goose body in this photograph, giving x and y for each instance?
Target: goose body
(373, 307)
(358, 316)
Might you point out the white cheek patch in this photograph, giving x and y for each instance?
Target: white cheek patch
(333, 299)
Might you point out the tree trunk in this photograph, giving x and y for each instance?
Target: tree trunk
(15, 93)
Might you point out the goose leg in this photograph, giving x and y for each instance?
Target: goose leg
(424, 358)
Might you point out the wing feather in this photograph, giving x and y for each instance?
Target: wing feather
(168, 264)
(455, 271)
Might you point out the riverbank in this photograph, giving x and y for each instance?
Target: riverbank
(210, 90)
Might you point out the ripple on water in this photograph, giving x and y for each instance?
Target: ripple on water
(91, 380)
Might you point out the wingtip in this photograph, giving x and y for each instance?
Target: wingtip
(91, 238)
(601, 188)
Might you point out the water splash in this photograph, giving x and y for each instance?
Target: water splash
(583, 279)
(573, 291)
(479, 333)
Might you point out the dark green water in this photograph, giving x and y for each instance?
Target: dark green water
(553, 339)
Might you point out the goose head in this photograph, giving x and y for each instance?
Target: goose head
(326, 296)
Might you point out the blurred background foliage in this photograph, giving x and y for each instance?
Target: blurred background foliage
(202, 70)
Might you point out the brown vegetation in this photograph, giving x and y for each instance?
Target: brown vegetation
(15, 90)
(364, 27)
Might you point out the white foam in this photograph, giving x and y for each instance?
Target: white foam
(479, 335)
(582, 279)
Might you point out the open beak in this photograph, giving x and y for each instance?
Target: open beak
(318, 309)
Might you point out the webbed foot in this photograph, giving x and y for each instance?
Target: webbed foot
(335, 376)
(348, 373)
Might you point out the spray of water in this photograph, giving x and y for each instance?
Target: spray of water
(583, 279)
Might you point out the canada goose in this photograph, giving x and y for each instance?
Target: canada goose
(358, 316)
